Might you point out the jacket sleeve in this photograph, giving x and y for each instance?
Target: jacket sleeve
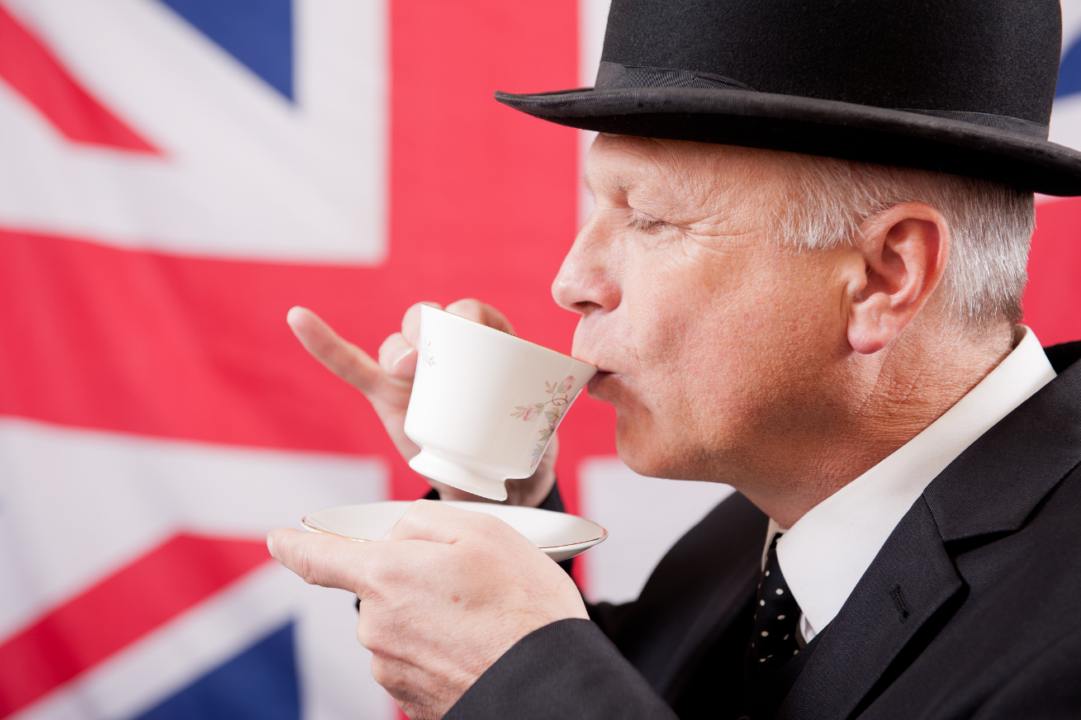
(567, 669)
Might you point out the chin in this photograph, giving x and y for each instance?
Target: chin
(647, 453)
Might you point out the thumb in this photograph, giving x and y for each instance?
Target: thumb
(440, 523)
(322, 559)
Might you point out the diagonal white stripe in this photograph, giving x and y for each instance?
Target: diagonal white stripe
(246, 174)
(644, 518)
(333, 669)
(76, 505)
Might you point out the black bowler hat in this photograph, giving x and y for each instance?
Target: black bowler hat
(958, 86)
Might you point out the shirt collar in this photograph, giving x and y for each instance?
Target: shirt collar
(826, 552)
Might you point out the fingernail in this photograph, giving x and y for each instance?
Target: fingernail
(402, 355)
(270, 546)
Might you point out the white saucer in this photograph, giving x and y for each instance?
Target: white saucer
(558, 535)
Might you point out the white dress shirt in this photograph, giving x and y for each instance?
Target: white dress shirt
(827, 551)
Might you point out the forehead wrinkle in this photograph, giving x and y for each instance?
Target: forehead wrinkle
(684, 180)
(635, 163)
(689, 192)
(699, 178)
(604, 180)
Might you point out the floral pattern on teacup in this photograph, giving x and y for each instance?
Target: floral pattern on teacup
(559, 399)
(426, 355)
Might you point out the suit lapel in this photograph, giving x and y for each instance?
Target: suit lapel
(906, 585)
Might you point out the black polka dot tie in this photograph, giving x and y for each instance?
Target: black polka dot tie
(776, 616)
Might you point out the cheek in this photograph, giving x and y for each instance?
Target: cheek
(680, 319)
(729, 354)
(659, 309)
(688, 317)
(708, 336)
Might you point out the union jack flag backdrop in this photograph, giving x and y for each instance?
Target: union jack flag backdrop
(176, 174)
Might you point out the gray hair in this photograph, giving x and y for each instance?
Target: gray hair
(990, 225)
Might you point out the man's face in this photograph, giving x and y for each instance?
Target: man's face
(716, 346)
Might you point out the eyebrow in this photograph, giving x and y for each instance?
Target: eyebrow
(621, 184)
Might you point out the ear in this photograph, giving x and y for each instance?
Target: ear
(904, 251)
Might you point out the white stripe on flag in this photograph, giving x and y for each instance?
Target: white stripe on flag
(644, 518)
(75, 505)
(335, 681)
(244, 173)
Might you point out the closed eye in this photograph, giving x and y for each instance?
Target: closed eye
(646, 223)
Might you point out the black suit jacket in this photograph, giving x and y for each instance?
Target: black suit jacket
(972, 609)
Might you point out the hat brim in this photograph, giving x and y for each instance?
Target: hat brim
(815, 127)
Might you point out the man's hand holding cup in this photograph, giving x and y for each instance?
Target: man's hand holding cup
(388, 383)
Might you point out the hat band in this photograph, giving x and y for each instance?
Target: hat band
(999, 122)
(615, 76)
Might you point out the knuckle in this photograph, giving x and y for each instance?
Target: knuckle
(413, 515)
(375, 575)
(468, 308)
(390, 347)
(305, 566)
(376, 630)
(388, 673)
(310, 560)
(491, 526)
(368, 634)
(379, 670)
(411, 322)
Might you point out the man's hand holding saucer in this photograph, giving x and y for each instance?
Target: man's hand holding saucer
(443, 596)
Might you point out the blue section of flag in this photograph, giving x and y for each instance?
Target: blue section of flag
(258, 684)
(258, 33)
(1069, 71)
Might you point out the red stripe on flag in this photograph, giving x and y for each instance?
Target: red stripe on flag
(478, 192)
(117, 611)
(40, 77)
(164, 346)
(483, 204)
(1053, 297)
(195, 349)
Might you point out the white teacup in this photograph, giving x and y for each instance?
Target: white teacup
(485, 403)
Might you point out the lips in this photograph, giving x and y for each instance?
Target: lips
(597, 381)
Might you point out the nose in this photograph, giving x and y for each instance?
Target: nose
(588, 280)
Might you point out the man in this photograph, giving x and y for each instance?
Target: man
(802, 277)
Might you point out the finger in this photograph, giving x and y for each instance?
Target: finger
(418, 693)
(411, 322)
(342, 358)
(323, 559)
(447, 492)
(397, 357)
(482, 313)
(438, 522)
